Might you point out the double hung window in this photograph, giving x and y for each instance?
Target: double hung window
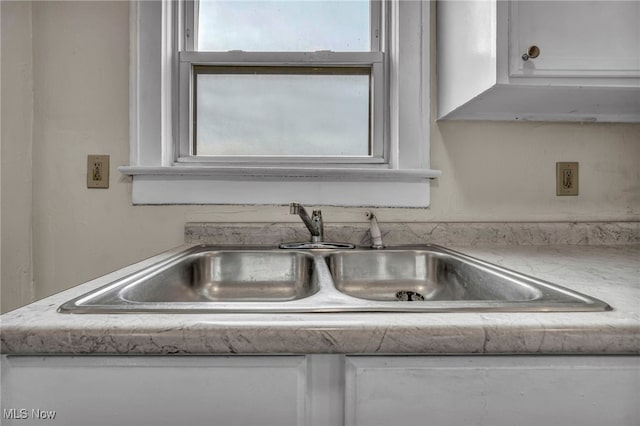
(260, 99)
(287, 81)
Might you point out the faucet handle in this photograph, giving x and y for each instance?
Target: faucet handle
(294, 208)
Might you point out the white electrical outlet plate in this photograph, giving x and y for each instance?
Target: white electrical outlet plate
(97, 171)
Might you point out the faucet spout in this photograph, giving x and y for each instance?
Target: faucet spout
(314, 223)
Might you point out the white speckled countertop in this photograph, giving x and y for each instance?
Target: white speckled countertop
(610, 273)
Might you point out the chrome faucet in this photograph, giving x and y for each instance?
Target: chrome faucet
(314, 223)
(316, 227)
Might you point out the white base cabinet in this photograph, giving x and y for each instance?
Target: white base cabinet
(168, 390)
(320, 390)
(493, 391)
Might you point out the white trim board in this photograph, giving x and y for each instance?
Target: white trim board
(151, 189)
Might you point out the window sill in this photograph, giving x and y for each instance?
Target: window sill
(279, 173)
(266, 185)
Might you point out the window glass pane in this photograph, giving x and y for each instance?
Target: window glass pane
(283, 26)
(292, 111)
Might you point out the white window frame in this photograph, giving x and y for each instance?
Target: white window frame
(397, 175)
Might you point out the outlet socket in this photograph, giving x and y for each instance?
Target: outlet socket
(97, 171)
(567, 178)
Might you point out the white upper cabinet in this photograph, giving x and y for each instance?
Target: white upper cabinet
(539, 60)
(575, 39)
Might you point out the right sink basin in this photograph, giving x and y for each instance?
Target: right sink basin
(419, 275)
(433, 278)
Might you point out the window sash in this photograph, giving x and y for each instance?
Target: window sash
(374, 60)
(233, 70)
(189, 25)
(188, 59)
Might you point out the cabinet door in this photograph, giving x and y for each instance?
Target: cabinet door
(575, 38)
(139, 391)
(492, 391)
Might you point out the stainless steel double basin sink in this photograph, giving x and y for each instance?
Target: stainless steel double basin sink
(208, 279)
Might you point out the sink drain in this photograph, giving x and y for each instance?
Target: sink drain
(409, 296)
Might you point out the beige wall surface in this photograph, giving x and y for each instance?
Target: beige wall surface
(492, 171)
(16, 86)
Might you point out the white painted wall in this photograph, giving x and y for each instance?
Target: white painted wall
(492, 171)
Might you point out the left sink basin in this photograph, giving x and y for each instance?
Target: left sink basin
(218, 276)
(201, 275)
